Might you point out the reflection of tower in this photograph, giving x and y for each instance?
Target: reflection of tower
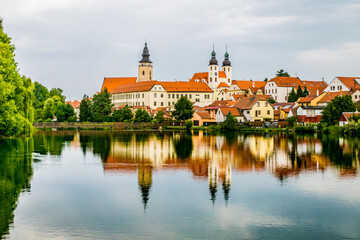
(226, 185)
(213, 175)
(145, 181)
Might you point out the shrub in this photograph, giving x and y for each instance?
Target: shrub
(48, 120)
(188, 124)
(71, 119)
(230, 124)
(39, 120)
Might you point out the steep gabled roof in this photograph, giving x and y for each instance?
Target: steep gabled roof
(349, 82)
(222, 103)
(222, 84)
(252, 85)
(306, 99)
(234, 111)
(199, 76)
(287, 82)
(74, 104)
(348, 115)
(248, 102)
(113, 82)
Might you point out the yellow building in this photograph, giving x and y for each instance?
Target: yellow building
(255, 108)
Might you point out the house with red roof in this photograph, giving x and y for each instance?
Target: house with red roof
(347, 84)
(223, 112)
(346, 117)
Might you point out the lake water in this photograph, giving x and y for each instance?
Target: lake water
(178, 185)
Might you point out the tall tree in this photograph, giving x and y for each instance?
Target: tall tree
(16, 92)
(85, 109)
(299, 93)
(41, 93)
(305, 92)
(282, 73)
(183, 109)
(332, 112)
(292, 96)
(69, 111)
(101, 106)
(50, 106)
(57, 92)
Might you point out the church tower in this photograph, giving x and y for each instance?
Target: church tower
(226, 67)
(145, 66)
(213, 80)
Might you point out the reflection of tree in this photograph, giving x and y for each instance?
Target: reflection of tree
(98, 142)
(15, 175)
(231, 138)
(226, 190)
(183, 145)
(335, 152)
(213, 190)
(52, 142)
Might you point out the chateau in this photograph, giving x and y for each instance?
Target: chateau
(202, 89)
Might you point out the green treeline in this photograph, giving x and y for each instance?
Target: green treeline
(16, 92)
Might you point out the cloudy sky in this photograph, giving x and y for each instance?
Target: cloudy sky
(74, 44)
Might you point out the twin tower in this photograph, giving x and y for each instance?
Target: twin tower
(145, 71)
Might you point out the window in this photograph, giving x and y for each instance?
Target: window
(143, 73)
(248, 112)
(189, 95)
(169, 104)
(275, 90)
(216, 79)
(155, 95)
(216, 74)
(162, 95)
(229, 69)
(258, 104)
(154, 103)
(169, 95)
(210, 79)
(266, 104)
(162, 103)
(197, 100)
(210, 68)
(215, 68)
(177, 95)
(173, 96)
(143, 95)
(143, 103)
(268, 112)
(181, 95)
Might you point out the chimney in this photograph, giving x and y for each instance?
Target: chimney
(317, 92)
(253, 84)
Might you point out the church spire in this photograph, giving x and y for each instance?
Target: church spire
(213, 60)
(226, 61)
(145, 55)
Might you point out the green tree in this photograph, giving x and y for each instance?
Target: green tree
(69, 111)
(332, 112)
(101, 106)
(292, 96)
(159, 117)
(41, 93)
(305, 92)
(299, 93)
(230, 123)
(271, 100)
(141, 115)
(183, 109)
(127, 113)
(117, 115)
(50, 106)
(57, 92)
(282, 73)
(60, 112)
(16, 92)
(85, 109)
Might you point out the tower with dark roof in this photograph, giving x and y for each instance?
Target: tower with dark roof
(145, 66)
(213, 70)
(226, 67)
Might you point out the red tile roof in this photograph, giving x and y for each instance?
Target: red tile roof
(306, 99)
(252, 85)
(287, 82)
(349, 82)
(222, 103)
(168, 86)
(331, 95)
(74, 104)
(185, 86)
(203, 114)
(113, 82)
(222, 84)
(315, 87)
(238, 97)
(346, 116)
(234, 111)
(222, 74)
(248, 102)
(200, 76)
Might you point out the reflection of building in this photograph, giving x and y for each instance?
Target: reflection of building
(212, 158)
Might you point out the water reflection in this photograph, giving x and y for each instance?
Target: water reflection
(15, 174)
(213, 157)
